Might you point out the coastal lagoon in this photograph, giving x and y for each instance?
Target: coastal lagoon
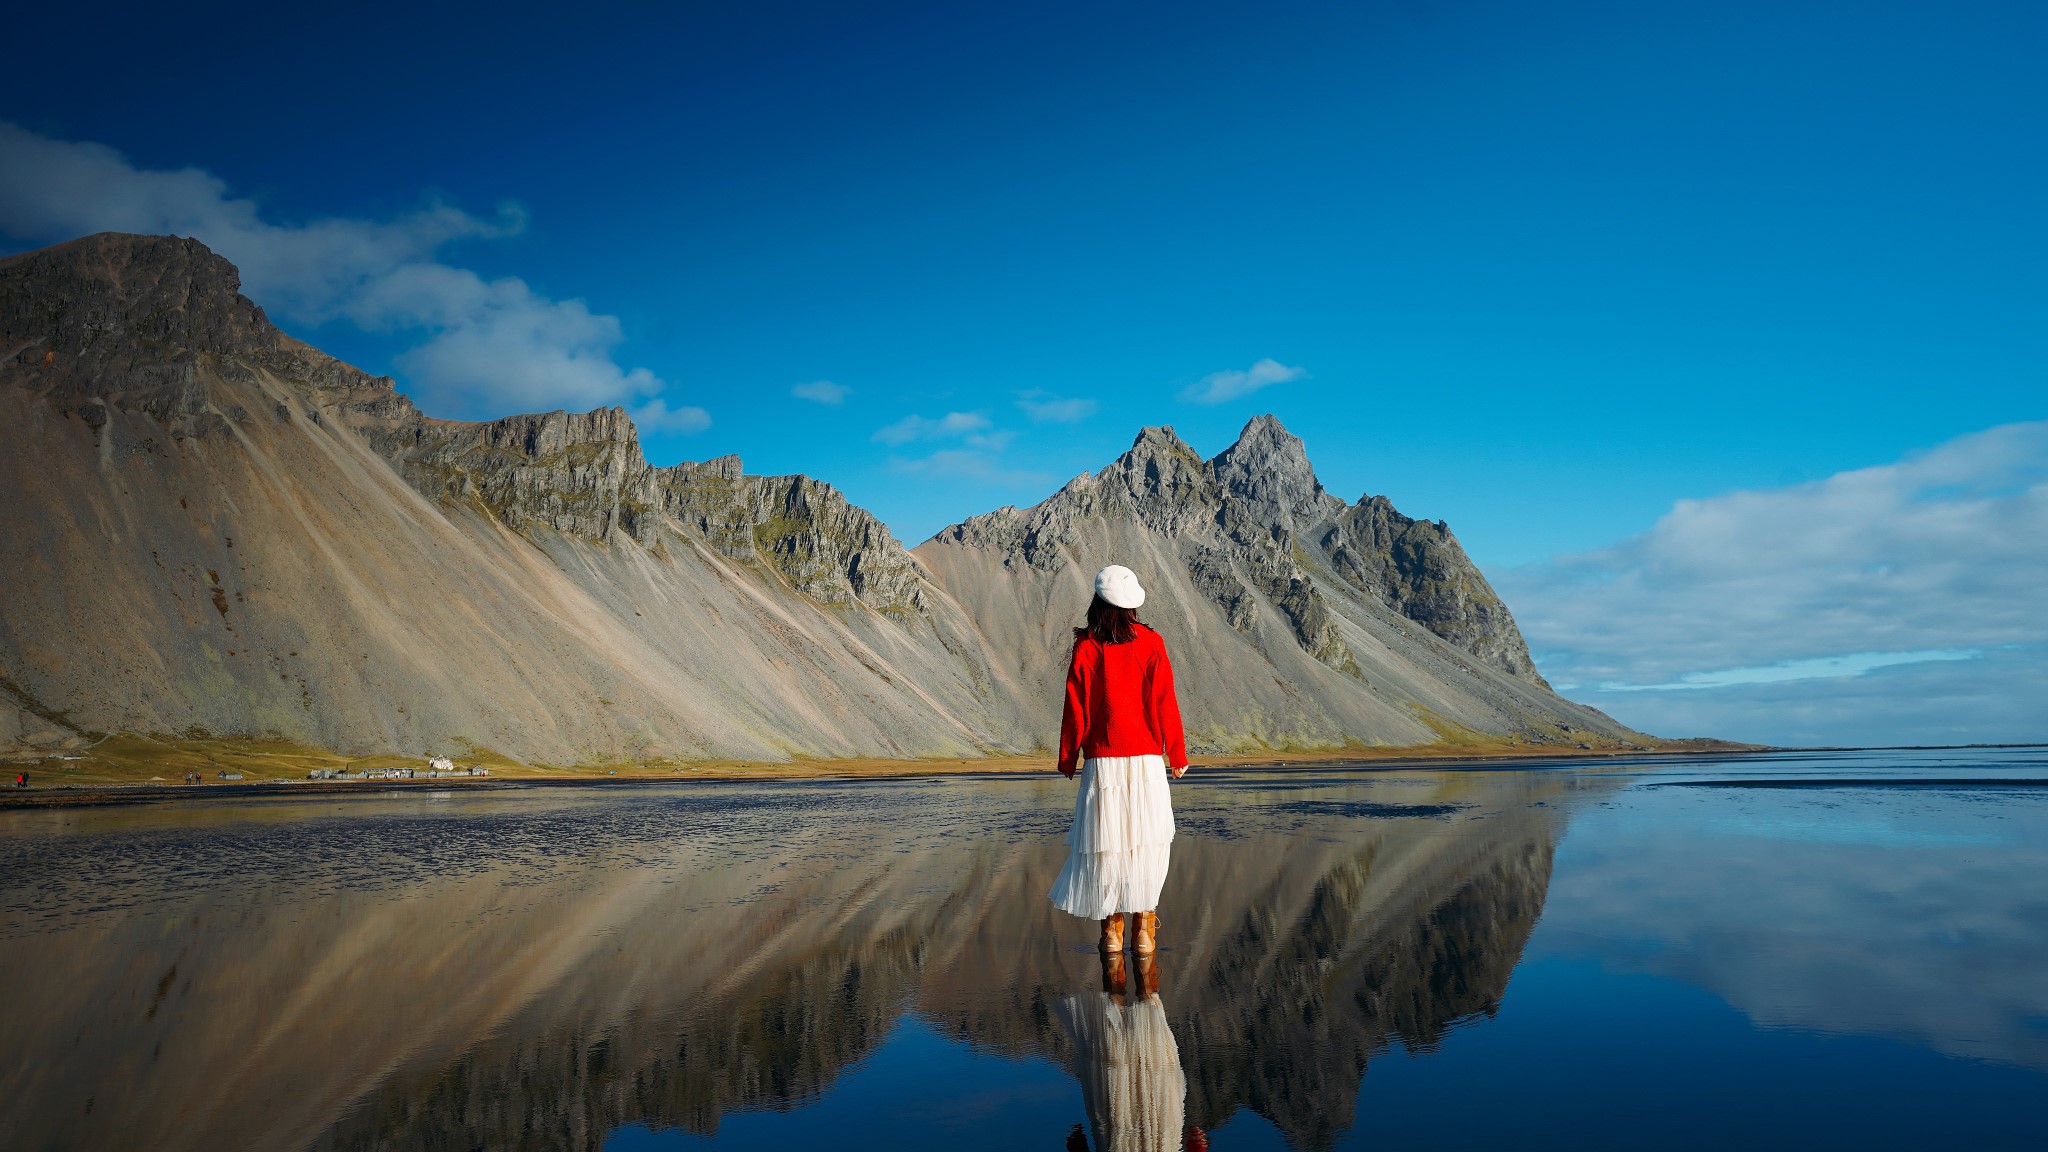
(1775, 951)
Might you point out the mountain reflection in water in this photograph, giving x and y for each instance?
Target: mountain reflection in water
(752, 964)
(537, 970)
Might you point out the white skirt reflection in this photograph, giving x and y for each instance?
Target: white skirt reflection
(1118, 848)
(1129, 1069)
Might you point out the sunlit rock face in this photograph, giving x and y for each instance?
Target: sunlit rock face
(583, 474)
(1302, 621)
(826, 547)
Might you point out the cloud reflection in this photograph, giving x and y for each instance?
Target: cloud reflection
(1866, 911)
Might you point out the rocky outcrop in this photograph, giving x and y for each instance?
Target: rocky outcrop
(583, 474)
(580, 474)
(805, 529)
(1417, 568)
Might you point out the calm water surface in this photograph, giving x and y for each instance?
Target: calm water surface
(1841, 950)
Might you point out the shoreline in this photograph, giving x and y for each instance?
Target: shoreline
(100, 793)
(508, 776)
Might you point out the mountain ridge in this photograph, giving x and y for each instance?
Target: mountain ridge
(1262, 496)
(532, 584)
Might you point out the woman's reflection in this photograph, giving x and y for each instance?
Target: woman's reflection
(1128, 1064)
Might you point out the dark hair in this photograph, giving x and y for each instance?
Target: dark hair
(1108, 624)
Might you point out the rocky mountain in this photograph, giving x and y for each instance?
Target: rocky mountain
(1295, 619)
(213, 528)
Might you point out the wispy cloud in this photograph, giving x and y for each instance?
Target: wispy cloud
(1786, 671)
(1832, 611)
(822, 391)
(1825, 915)
(1217, 387)
(975, 452)
(977, 463)
(1046, 408)
(489, 346)
(926, 428)
(656, 416)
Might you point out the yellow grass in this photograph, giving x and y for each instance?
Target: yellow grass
(131, 760)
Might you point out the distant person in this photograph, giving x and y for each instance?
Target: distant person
(21, 779)
(1121, 729)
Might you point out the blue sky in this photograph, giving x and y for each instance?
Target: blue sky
(1544, 271)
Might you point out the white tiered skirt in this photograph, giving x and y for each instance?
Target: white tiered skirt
(1117, 849)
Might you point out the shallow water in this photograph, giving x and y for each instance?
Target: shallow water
(1567, 955)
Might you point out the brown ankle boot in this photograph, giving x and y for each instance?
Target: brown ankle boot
(1113, 933)
(1148, 934)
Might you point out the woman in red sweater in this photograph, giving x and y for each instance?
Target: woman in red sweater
(1121, 730)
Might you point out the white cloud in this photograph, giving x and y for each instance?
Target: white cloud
(498, 345)
(1833, 913)
(925, 428)
(491, 346)
(1994, 698)
(1816, 668)
(657, 416)
(978, 463)
(976, 452)
(1829, 612)
(822, 391)
(1046, 408)
(1217, 387)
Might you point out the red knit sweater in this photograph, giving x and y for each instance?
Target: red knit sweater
(1120, 702)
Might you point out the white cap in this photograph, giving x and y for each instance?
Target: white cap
(1119, 585)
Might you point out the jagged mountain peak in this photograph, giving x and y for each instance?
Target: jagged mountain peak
(1265, 429)
(1157, 457)
(1268, 469)
(1255, 522)
(1157, 451)
(1161, 435)
(1264, 441)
